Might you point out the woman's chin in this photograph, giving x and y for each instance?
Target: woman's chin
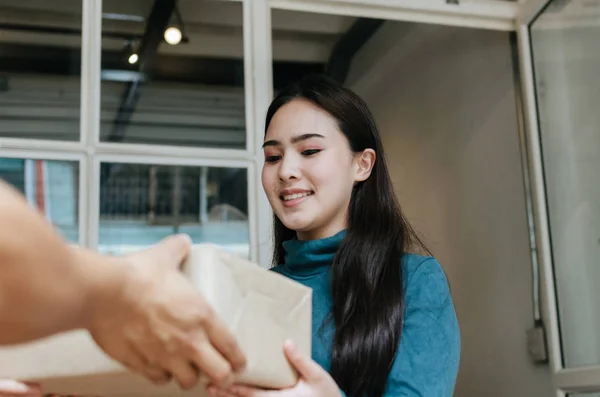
(296, 224)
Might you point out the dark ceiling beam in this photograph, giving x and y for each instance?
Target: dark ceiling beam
(190, 69)
(73, 31)
(156, 24)
(158, 21)
(348, 45)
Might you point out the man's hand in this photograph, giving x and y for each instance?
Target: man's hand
(140, 309)
(158, 325)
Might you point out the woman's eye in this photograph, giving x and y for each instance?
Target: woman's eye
(272, 159)
(310, 152)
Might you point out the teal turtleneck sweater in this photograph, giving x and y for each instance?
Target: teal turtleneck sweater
(426, 364)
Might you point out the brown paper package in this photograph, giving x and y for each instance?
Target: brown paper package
(261, 308)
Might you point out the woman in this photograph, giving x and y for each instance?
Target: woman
(383, 320)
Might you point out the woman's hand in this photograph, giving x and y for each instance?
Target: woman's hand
(12, 388)
(314, 381)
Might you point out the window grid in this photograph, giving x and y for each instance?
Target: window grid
(89, 152)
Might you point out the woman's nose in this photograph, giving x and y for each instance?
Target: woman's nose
(289, 168)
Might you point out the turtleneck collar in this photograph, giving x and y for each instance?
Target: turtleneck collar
(311, 256)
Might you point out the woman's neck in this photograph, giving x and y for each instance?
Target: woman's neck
(305, 257)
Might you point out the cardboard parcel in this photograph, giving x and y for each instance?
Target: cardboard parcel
(260, 307)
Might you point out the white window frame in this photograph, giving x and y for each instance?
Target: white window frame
(482, 14)
(89, 151)
(566, 380)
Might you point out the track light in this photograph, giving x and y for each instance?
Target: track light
(173, 35)
(129, 53)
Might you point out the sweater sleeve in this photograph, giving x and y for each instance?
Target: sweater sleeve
(426, 364)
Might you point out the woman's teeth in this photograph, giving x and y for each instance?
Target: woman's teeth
(296, 196)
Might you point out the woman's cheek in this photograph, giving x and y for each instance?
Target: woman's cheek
(320, 171)
(269, 182)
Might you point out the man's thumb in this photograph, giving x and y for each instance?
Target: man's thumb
(174, 249)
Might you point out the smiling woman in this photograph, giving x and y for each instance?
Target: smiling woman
(316, 169)
(384, 322)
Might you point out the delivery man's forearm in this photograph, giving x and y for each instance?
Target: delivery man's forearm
(45, 285)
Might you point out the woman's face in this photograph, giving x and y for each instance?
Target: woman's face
(310, 170)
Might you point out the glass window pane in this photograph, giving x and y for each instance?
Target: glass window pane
(50, 185)
(188, 94)
(40, 63)
(141, 204)
(566, 44)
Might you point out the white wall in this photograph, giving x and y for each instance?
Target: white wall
(445, 102)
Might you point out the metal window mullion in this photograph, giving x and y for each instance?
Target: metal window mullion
(249, 83)
(170, 151)
(83, 201)
(262, 66)
(539, 195)
(253, 213)
(93, 187)
(42, 145)
(250, 113)
(91, 50)
(37, 154)
(126, 158)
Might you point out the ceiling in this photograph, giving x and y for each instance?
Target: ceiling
(39, 36)
(42, 36)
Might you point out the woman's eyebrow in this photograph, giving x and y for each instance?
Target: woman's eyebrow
(295, 139)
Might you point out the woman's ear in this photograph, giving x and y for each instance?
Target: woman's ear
(365, 161)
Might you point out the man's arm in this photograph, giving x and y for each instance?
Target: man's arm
(45, 285)
(139, 308)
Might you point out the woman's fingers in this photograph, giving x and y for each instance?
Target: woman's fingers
(235, 391)
(246, 391)
(13, 388)
(213, 391)
(307, 368)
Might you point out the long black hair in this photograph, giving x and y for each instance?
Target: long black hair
(366, 275)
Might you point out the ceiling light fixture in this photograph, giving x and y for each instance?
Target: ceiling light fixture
(173, 35)
(133, 58)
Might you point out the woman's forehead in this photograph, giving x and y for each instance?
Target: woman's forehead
(300, 117)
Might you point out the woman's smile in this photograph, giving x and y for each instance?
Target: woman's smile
(293, 197)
